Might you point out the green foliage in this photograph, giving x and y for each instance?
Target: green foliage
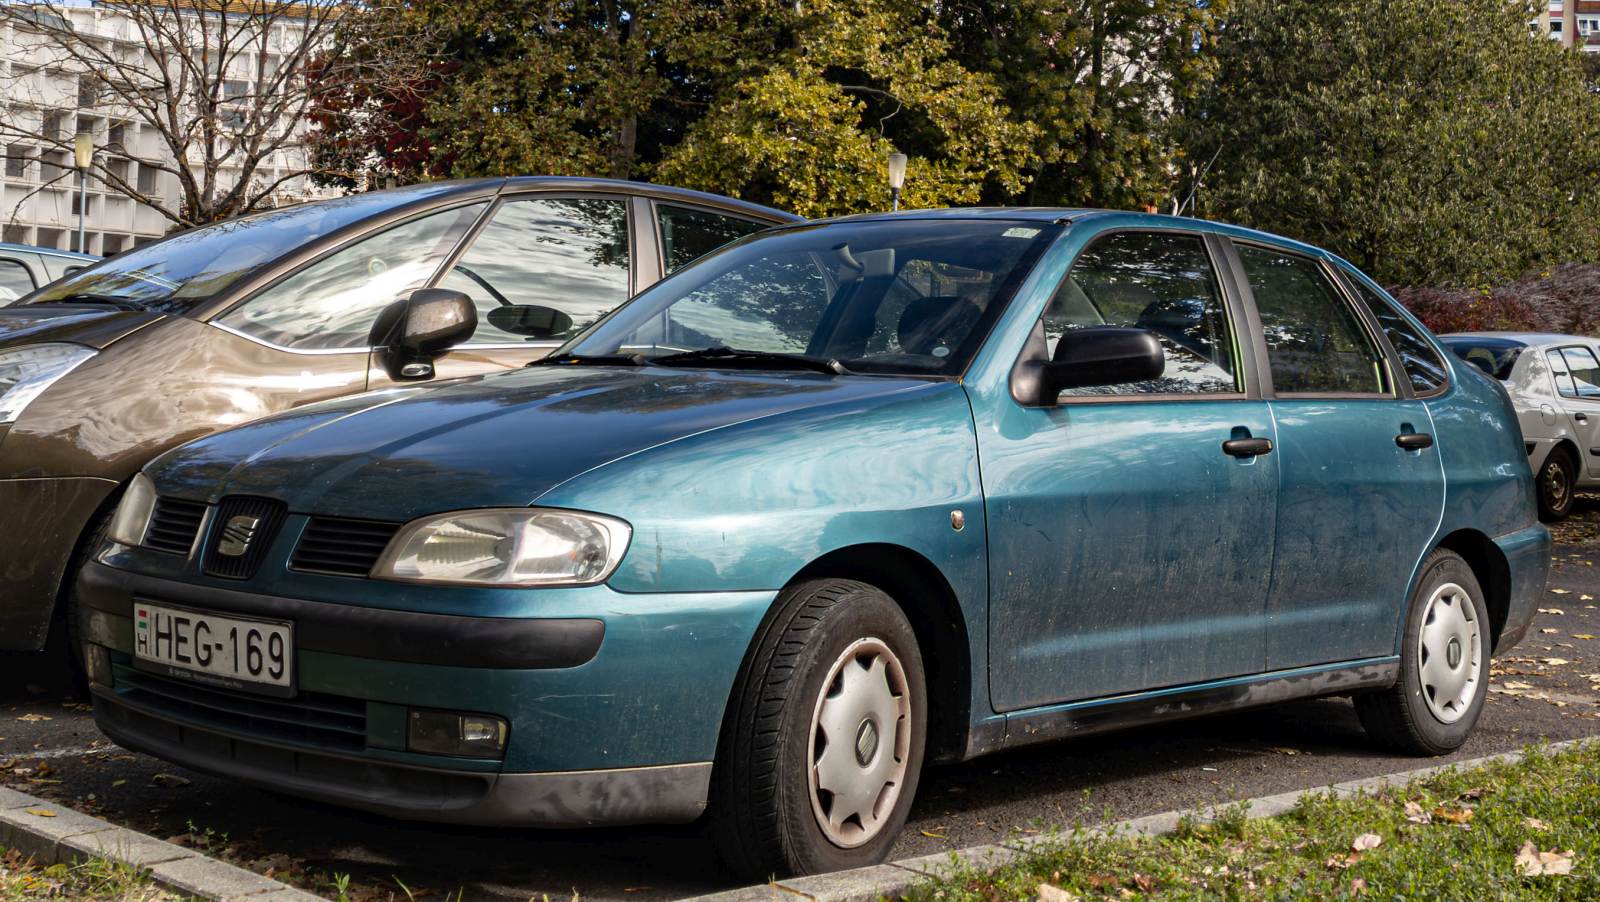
(1099, 80)
(1431, 143)
(810, 128)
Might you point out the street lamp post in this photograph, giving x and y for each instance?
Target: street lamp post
(897, 177)
(83, 155)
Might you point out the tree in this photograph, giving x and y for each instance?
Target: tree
(224, 87)
(1431, 143)
(1099, 79)
(811, 127)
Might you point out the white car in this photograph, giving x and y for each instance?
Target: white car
(1554, 382)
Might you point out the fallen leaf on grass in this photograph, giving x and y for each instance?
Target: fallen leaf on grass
(1453, 815)
(1533, 863)
(1535, 824)
(1342, 862)
(1048, 893)
(1416, 815)
(1366, 841)
(1145, 883)
(40, 812)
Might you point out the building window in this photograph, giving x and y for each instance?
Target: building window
(51, 129)
(88, 91)
(1555, 26)
(147, 179)
(117, 168)
(117, 135)
(15, 234)
(17, 161)
(49, 238)
(52, 165)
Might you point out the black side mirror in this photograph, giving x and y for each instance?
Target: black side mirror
(531, 320)
(414, 330)
(1101, 355)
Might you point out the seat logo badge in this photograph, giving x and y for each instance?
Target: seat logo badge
(236, 535)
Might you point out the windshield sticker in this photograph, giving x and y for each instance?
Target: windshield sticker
(1020, 232)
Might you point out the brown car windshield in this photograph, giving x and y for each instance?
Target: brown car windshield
(176, 273)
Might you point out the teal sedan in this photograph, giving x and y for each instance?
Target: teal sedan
(838, 500)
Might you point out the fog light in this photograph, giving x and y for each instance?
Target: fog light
(97, 665)
(456, 733)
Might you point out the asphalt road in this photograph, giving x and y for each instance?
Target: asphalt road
(1547, 688)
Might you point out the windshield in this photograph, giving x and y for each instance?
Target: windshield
(1495, 356)
(911, 296)
(173, 275)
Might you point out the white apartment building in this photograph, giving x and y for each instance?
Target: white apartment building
(1575, 23)
(39, 93)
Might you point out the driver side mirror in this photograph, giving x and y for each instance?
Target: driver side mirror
(1101, 355)
(416, 329)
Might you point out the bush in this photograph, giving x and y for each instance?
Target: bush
(1565, 299)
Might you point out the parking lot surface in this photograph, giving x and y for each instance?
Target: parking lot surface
(1547, 688)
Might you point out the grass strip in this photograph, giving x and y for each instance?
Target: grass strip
(92, 880)
(1512, 830)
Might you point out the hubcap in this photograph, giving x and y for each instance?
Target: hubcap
(1450, 653)
(860, 742)
(1555, 484)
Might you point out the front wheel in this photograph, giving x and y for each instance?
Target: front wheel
(823, 741)
(1558, 479)
(1444, 665)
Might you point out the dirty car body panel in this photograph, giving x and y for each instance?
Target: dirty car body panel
(1112, 557)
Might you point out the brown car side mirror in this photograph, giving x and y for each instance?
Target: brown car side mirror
(414, 330)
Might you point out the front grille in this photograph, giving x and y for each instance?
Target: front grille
(341, 547)
(173, 525)
(245, 526)
(312, 718)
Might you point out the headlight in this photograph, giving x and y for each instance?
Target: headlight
(506, 547)
(132, 519)
(29, 370)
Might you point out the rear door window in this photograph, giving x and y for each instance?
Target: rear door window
(1315, 342)
(688, 234)
(1583, 373)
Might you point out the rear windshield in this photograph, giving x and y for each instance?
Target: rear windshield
(1495, 356)
(175, 274)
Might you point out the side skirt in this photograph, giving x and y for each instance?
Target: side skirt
(1101, 715)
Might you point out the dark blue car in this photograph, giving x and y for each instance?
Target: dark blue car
(834, 501)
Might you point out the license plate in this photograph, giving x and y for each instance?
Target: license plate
(213, 649)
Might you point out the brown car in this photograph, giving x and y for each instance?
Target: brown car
(107, 368)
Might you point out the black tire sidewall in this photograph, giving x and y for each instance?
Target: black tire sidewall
(1558, 458)
(1439, 737)
(865, 613)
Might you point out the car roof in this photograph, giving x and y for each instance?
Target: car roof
(31, 249)
(1523, 338)
(1073, 215)
(648, 189)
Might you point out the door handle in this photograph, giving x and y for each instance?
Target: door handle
(1582, 418)
(1247, 447)
(1414, 441)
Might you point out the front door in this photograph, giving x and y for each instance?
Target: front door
(1128, 550)
(1362, 489)
(1577, 377)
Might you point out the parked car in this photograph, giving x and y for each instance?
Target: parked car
(1554, 383)
(104, 370)
(836, 500)
(24, 267)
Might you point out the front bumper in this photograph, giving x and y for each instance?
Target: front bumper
(43, 523)
(1527, 554)
(615, 701)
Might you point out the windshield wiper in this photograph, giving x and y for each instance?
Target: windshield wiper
(98, 299)
(591, 360)
(721, 354)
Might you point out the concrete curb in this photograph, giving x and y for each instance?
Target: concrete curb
(895, 878)
(64, 835)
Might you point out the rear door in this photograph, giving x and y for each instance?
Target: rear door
(1362, 489)
(1577, 376)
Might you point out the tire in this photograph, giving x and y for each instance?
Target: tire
(768, 819)
(1556, 484)
(68, 625)
(1444, 665)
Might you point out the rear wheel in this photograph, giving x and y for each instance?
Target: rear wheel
(1444, 665)
(823, 742)
(1557, 481)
